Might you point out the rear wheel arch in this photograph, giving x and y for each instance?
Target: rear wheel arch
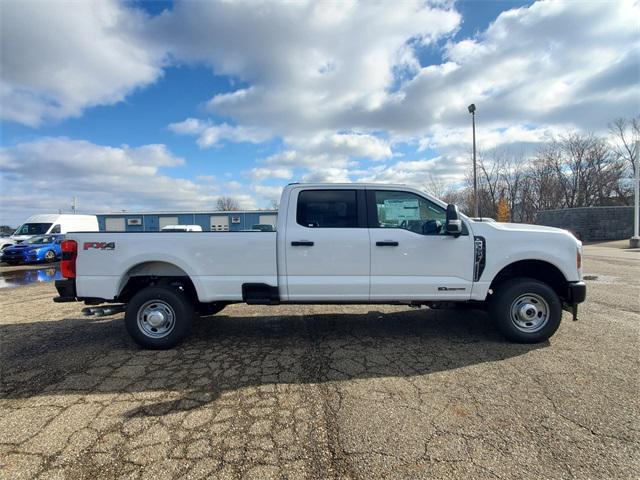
(155, 273)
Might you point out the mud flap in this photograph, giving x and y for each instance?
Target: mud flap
(573, 309)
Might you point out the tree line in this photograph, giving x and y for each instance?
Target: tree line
(572, 170)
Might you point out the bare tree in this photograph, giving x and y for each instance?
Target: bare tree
(435, 186)
(462, 197)
(490, 182)
(225, 204)
(513, 178)
(574, 170)
(625, 133)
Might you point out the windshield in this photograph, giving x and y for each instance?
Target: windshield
(40, 239)
(33, 229)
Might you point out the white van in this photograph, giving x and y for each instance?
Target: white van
(55, 223)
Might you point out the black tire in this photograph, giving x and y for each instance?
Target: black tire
(174, 309)
(516, 307)
(207, 309)
(13, 264)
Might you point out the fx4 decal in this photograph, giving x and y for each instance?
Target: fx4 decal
(100, 245)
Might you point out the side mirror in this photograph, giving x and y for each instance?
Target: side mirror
(453, 225)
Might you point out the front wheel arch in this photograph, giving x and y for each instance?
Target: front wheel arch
(540, 270)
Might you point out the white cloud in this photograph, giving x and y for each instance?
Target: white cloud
(418, 173)
(261, 173)
(270, 193)
(335, 83)
(541, 65)
(332, 95)
(58, 58)
(544, 63)
(342, 144)
(43, 175)
(327, 175)
(233, 185)
(517, 139)
(306, 63)
(190, 126)
(212, 135)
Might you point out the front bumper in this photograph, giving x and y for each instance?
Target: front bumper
(66, 290)
(576, 293)
(20, 257)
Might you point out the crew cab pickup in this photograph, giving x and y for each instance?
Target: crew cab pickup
(333, 244)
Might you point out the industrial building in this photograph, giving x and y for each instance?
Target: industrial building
(214, 221)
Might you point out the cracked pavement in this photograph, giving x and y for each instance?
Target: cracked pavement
(350, 392)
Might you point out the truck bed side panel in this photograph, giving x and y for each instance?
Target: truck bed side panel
(218, 263)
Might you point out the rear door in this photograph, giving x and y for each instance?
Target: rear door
(327, 245)
(412, 257)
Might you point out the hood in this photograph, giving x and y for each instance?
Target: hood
(525, 227)
(522, 227)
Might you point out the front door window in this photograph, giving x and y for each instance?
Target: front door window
(410, 212)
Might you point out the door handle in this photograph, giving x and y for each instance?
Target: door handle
(302, 243)
(387, 244)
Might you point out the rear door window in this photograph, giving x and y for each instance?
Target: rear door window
(327, 209)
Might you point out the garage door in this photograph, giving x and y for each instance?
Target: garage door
(269, 220)
(164, 221)
(219, 223)
(114, 224)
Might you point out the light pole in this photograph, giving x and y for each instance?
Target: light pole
(634, 242)
(472, 111)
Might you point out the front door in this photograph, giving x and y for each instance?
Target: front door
(412, 257)
(327, 245)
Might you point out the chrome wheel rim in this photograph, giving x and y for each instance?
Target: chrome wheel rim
(156, 319)
(49, 255)
(529, 312)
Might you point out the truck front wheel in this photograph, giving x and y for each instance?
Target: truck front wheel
(159, 317)
(526, 310)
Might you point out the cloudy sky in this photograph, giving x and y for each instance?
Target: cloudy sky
(168, 105)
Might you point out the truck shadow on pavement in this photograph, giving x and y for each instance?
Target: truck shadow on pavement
(78, 356)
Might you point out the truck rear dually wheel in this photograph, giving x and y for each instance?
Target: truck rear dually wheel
(159, 317)
(526, 310)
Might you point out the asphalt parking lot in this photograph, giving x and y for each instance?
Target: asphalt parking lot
(355, 392)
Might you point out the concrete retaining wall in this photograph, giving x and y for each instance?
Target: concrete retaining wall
(591, 223)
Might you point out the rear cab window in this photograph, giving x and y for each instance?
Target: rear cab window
(327, 209)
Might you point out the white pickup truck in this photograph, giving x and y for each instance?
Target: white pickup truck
(333, 244)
